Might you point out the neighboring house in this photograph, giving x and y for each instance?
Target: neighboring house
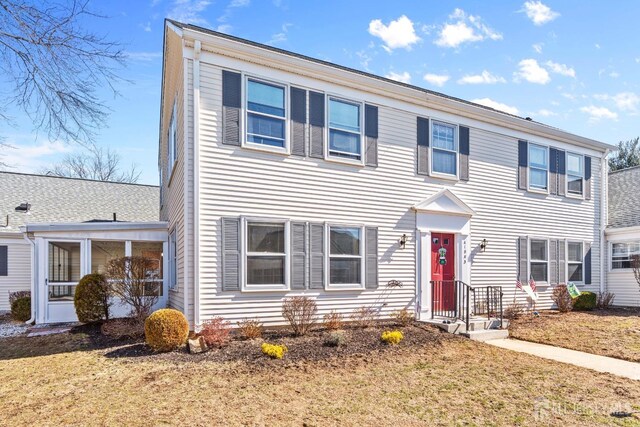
(623, 235)
(285, 175)
(54, 230)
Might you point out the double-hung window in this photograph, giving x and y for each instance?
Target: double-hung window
(345, 129)
(346, 248)
(173, 261)
(172, 136)
(574, 261)
(575, 173)
(539, 260)
(538, 167)
(266, 255)
(266, 114)
(444, 144)
(622, 254)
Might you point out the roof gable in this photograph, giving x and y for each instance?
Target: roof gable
(445, 202)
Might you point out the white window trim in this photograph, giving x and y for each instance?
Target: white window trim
(456, 140)
(172, 142)
(529, 187)
(331, 158)
(582, 242)
(627, 242)
(245, 116)
(286, 286)
(173, 255)
(531, 239)
(566, 181)
(327, 259)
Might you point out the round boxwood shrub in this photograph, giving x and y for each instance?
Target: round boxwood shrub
(21, 309)
(91, 298)
(585, 302)
(166, 329)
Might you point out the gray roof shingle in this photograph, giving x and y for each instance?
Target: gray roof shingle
(55, 199)
(624, 198)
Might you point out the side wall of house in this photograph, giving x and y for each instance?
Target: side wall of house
(237, 181)
(622, 282)
(18, 269)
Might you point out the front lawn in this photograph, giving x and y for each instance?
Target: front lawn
(82, 380)
(611, 332)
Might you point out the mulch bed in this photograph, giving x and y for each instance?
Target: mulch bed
(361, 343)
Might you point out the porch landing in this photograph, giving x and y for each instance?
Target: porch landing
(480, 328)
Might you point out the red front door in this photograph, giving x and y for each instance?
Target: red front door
(443, 271)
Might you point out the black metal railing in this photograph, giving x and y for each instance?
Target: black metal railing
(457, 300)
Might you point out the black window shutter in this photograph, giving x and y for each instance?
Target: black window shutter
(371, 258)
(523, 259)
(463, 134)
(523, 164)
(4, 260)
(553, 261)
(230, 254)
(587, 178)
(371, 135)
(561, 157)
(299, 258)
(423, 146)
(553, 171)
(316, 249)
(587, 263)
(299, 134)
(316, 124)
(231, 106)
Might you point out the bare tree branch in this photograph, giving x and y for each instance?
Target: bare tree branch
(97, 164)
(55, 66)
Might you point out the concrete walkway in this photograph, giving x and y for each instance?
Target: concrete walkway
(621, 368)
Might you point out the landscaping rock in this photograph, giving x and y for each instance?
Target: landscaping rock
(197, 345)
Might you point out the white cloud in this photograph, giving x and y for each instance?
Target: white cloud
(627, 101)
(436, 79)
(463, 28)
(484, 78)
(487, 102)
(146, 26)
(543, 112)
(398, 34)
(143, 56)
(189, 11)
(539, 13)
(614, 74)
(31, 157)
(532, 72)
(537, 47)
(281, 36)
(404, 77)
(561, 69)
(598, 113)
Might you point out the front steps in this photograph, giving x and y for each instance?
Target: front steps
(480, 329)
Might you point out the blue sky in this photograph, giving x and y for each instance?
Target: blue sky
(570, 64)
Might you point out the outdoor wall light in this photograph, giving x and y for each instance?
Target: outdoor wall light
(483, 245)
(403, 241)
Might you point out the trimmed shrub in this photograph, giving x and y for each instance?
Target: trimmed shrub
(166, 329)
(21, 308)
(364, 317)
(300, 312)
(250, 329)
(333, 321)
(275, 351)
(91, 298)
(335, 339)
(514, 311)
(605, 299)
(392, 337)
(586, 301)
(18, 294)
(403, 317)
(561, 298)
(215, 332)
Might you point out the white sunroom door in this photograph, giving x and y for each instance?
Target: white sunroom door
(65, 265)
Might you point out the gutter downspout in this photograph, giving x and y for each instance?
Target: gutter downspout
(34, 276)
(196, 183)
(604, 216)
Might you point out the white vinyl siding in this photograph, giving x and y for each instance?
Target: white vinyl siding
(19, 269)
(172, 135)
(173, 261)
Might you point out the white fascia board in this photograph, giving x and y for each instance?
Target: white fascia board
(94, 226)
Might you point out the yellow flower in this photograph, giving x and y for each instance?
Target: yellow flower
(392, 337)
(275, 351)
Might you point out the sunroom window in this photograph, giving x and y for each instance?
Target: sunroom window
(538, 167)
(345, 129)
(538, 260)
(445, 149)
(574, 261)
(265, 254)
(623, 253)
(345, 256)
(575, 173)
(266, 114)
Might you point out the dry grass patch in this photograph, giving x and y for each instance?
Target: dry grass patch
(612, 332)
(453, 382)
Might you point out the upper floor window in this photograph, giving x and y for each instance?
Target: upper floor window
(345, 129)
(266, 114)
(538, 167)
(622, 254)
(172, 136)
(574, 261)
(575, 173)
(345, 256)
(444, 149)
(266, 255)
(538, 260)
